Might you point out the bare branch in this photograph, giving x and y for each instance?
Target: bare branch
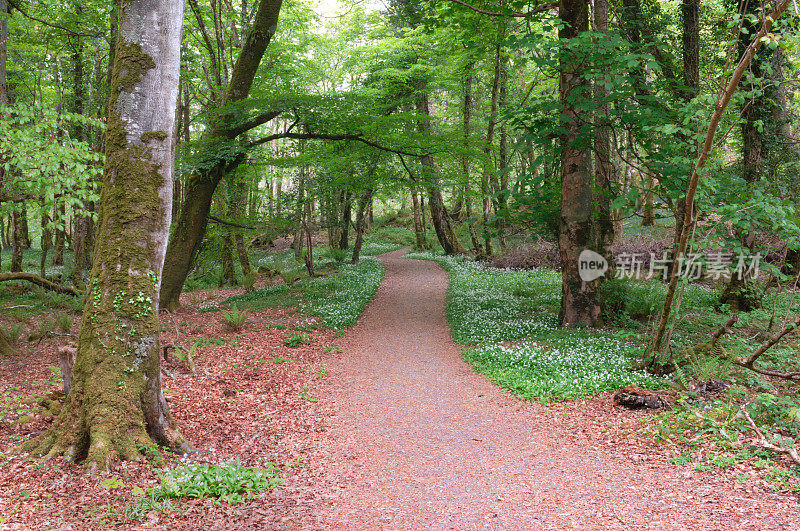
(764, 442)
(777, 336)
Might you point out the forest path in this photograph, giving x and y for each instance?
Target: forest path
(415, 440)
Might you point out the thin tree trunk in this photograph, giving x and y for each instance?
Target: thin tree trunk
(604, 169)
(17, 243)
(418, 232)
(361, 214)
(465, 160)
(722, 102)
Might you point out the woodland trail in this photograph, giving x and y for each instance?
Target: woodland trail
(415, 440)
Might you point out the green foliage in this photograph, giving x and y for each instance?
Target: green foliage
(13, 332)
(235, 318)
(64, 322)
(45, 164)
(297, 339)
(248, 281)
(510, 316)
(232, 483)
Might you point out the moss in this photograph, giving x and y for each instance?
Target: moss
(24, 419)
(154, 135)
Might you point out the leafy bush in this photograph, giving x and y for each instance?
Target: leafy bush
(295, 340)
(235, 318)
(232, 483)
(249, 281)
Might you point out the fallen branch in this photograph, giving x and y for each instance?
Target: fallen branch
(726, 328)
(765, 443)
(40, 281)
(777, 336)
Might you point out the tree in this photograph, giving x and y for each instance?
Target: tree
(580, 300)
(116, 407)
(190, 227)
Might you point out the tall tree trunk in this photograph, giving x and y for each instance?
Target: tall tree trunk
(466, 113)
(361, 215)
(60, 242)
(439, 215)
(116, 408)
(488, 165)
(418, 232)
(17, 241)
(46, 241)
(501, 201)
(580, 301)
(190, 227)
(604, 168)
(344, 224)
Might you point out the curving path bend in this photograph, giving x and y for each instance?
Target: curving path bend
(415, 440)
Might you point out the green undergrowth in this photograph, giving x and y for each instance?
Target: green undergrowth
(338, 298)
(230, 483)
(508, 320)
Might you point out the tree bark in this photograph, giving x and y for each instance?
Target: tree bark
(580, 301)
(17, 241)
(418, 232)
(466, 112)
(361, 215)
(190, 227)
(439, 215)
(604, 168)
(116, 408)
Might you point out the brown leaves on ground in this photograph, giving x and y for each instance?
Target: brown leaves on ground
(251, 399)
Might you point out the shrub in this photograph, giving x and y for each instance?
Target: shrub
(64, 322)
(295, 340)
(235, 318)
(249, 281)
(13, 332)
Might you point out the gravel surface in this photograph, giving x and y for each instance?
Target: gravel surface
(414, 439)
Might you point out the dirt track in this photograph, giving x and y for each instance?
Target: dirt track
(415, 440)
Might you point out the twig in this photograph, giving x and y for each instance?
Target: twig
(764, 442)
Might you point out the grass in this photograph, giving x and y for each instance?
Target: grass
(508, 320)
(338, 299)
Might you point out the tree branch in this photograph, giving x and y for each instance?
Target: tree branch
(261, 119)
(231, 223)
(539, 9)
(764, 442)
(324, 136)
(777, 336)
(39, 281)
(52, 25)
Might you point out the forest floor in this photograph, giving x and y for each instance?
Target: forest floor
(386, 427)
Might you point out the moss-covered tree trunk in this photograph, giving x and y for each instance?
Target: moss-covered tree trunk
(116, 407)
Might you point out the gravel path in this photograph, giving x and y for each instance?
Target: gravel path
(415, 440)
